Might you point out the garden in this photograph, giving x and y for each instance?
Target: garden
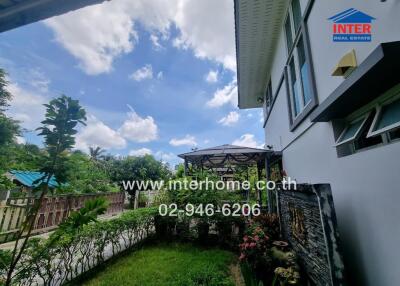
(138, 246)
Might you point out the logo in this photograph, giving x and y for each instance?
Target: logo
(352, 26)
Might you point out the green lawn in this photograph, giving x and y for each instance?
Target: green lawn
(170, 265)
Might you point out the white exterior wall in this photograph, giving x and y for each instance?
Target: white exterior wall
(365, 185)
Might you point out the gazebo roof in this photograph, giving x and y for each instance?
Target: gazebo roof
(227, 154)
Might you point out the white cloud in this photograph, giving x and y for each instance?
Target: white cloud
(188, 140)
(145, 72)
(95, 35)
(248, 140)
(160, 75)
(212, 76)
(139, 129)
(98, 34)
(26, 106)
(167, 157)
(140, 152)
(96, 133)
(230, 119)
(228, 94)
(207, 27)
(39, 80)
(21, 140)
(155, 40)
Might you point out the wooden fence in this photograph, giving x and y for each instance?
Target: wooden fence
(52, 212)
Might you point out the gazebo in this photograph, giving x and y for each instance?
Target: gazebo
(227, 156)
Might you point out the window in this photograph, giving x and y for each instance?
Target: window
(351, 131)
(304, 72)
(301, 91)
(387, 118)
(376, 124)
(288, 32)
(269, 99)
(294, 88)
(296, 10)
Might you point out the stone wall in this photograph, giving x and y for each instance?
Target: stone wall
(308, 222)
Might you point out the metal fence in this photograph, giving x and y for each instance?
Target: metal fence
(53, 211)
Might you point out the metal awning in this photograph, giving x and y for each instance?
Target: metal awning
(16, 13)
(227, 155)
(373, 77)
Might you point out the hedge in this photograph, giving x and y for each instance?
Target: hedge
(60, 258)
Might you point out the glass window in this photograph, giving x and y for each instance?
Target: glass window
(390, 115)
(296, 10)
(394, 135)
(288, 31)
(363, 141)
(268, 99)
(304, 72)
(351, 131)
(295, 88)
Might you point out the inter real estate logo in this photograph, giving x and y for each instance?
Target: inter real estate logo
(352, 26)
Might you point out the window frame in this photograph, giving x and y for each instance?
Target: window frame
(364, 119)
(293, 53)
(348, 148)
(374, 132)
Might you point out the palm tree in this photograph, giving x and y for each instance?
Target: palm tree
(96, 153)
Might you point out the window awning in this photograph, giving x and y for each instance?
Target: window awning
(375, 75)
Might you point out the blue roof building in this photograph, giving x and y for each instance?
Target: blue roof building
(30, 179)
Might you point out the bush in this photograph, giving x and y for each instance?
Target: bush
(270, 261)
(66, 254)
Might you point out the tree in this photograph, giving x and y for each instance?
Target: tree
(85, 175)
(9, 128)
(133, 168)
(5, 95)
(96, 153)
(63, 114)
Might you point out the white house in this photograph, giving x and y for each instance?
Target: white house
(327, 75)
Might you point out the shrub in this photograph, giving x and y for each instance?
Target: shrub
(271, 261)
(66, 254)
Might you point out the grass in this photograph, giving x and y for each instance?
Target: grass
(169, 265)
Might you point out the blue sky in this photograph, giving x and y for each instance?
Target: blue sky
(154, 76)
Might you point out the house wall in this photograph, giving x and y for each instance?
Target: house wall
(365, 185)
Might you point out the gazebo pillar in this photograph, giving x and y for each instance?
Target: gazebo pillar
(259, 177)
(185, 167)
(269, 192)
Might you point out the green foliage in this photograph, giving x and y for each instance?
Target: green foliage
(5, 184)
(9, 127)
(169, 265)
(265, 260)
(21, 157)
(63, 114)
(96, 153)
(83, 216)
(5, 95)
(81, 244)
(84, 175)
(136, 168)
(5, 259)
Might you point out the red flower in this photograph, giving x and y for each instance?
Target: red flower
(252, 245)
(256, 238)
(242, 257)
